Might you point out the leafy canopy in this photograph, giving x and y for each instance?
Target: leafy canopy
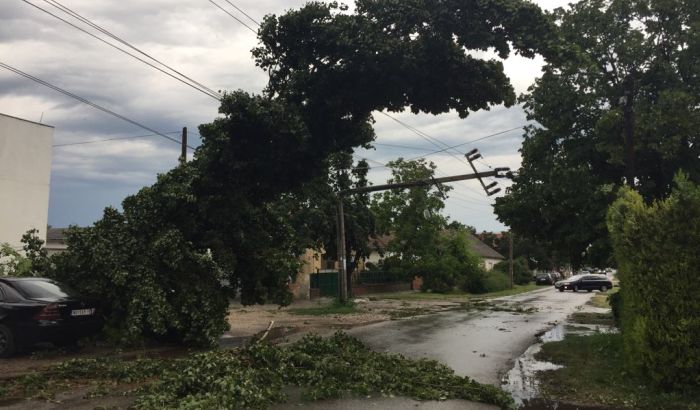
(623, 110)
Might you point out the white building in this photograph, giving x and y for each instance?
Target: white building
(25, 176)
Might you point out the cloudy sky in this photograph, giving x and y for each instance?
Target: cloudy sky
(200, 40)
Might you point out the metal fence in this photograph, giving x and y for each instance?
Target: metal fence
(325, 282)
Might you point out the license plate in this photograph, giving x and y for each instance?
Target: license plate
(82, 312)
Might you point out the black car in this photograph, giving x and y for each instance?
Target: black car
(584, 282)
(34, 310)
(544, 279)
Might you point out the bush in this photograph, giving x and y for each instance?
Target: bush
(522, 274)
(452, 266)
(615, 301)
(495, 281)
(656, 247)
(158, 289)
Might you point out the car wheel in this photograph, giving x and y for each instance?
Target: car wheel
(603, 288)
(589, 290)
(7, 341)
(575, 288)
(561, 289)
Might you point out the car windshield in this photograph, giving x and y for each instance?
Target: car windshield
(43, 289)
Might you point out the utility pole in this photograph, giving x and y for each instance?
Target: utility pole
(342, 264)
(510, 257)
(342, 275)
(183, 154)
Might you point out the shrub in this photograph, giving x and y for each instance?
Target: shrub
(12, 263)
(495, 281)
(522, 274)
(157, 287)
(615, 301)
(452, 266)
(656, 247)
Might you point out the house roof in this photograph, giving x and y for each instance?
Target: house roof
(483, 249)
(380, 243)
(56, 235)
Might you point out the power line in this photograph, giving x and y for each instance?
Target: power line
(234, 17)
(435, 141)
(88, 102)
(121, 49)
(475, 140)
(413, 129)
(73, 13)
(110, 139)
(476, 201)
(244, 13)
(433, 152)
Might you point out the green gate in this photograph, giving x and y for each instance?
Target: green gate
(326, 283)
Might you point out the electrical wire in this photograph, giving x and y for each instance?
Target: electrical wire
(109, 139)
(88, 102)
(121, 49)
(85, 20)
(243, 12)
(453, 194)
(234, 17)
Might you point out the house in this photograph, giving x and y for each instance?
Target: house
(318, 262)
(487, 254)
(25, 177)
(55, 241)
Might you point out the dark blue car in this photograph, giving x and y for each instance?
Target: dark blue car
(585, 282)
(34, 310)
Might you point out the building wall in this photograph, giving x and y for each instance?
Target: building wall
(310, 263)
(25, 175)
(490, 263)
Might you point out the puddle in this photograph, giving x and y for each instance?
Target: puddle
(520, 381)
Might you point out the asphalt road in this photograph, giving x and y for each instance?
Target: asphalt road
(482, 345)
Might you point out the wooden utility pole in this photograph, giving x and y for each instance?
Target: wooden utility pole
(342, 275)
(183, 154)
(510, 257)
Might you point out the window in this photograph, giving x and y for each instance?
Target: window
(43, 289)
(7, 294)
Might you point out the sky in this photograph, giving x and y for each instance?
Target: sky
(200, 40)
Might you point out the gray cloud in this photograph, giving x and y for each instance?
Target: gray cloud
(203, 42)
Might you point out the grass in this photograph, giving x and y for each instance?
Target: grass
(600, 300)
(455, 296)
(336, 308)
(595, 373)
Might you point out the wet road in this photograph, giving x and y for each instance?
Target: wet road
(480, 344)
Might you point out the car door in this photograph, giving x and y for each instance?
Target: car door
(587, 282)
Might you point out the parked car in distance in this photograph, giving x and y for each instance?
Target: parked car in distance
(584, 282)
(544, 279)
(35, 310)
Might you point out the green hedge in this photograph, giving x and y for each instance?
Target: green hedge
(658, 251)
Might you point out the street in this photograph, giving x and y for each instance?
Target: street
(480, 344)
